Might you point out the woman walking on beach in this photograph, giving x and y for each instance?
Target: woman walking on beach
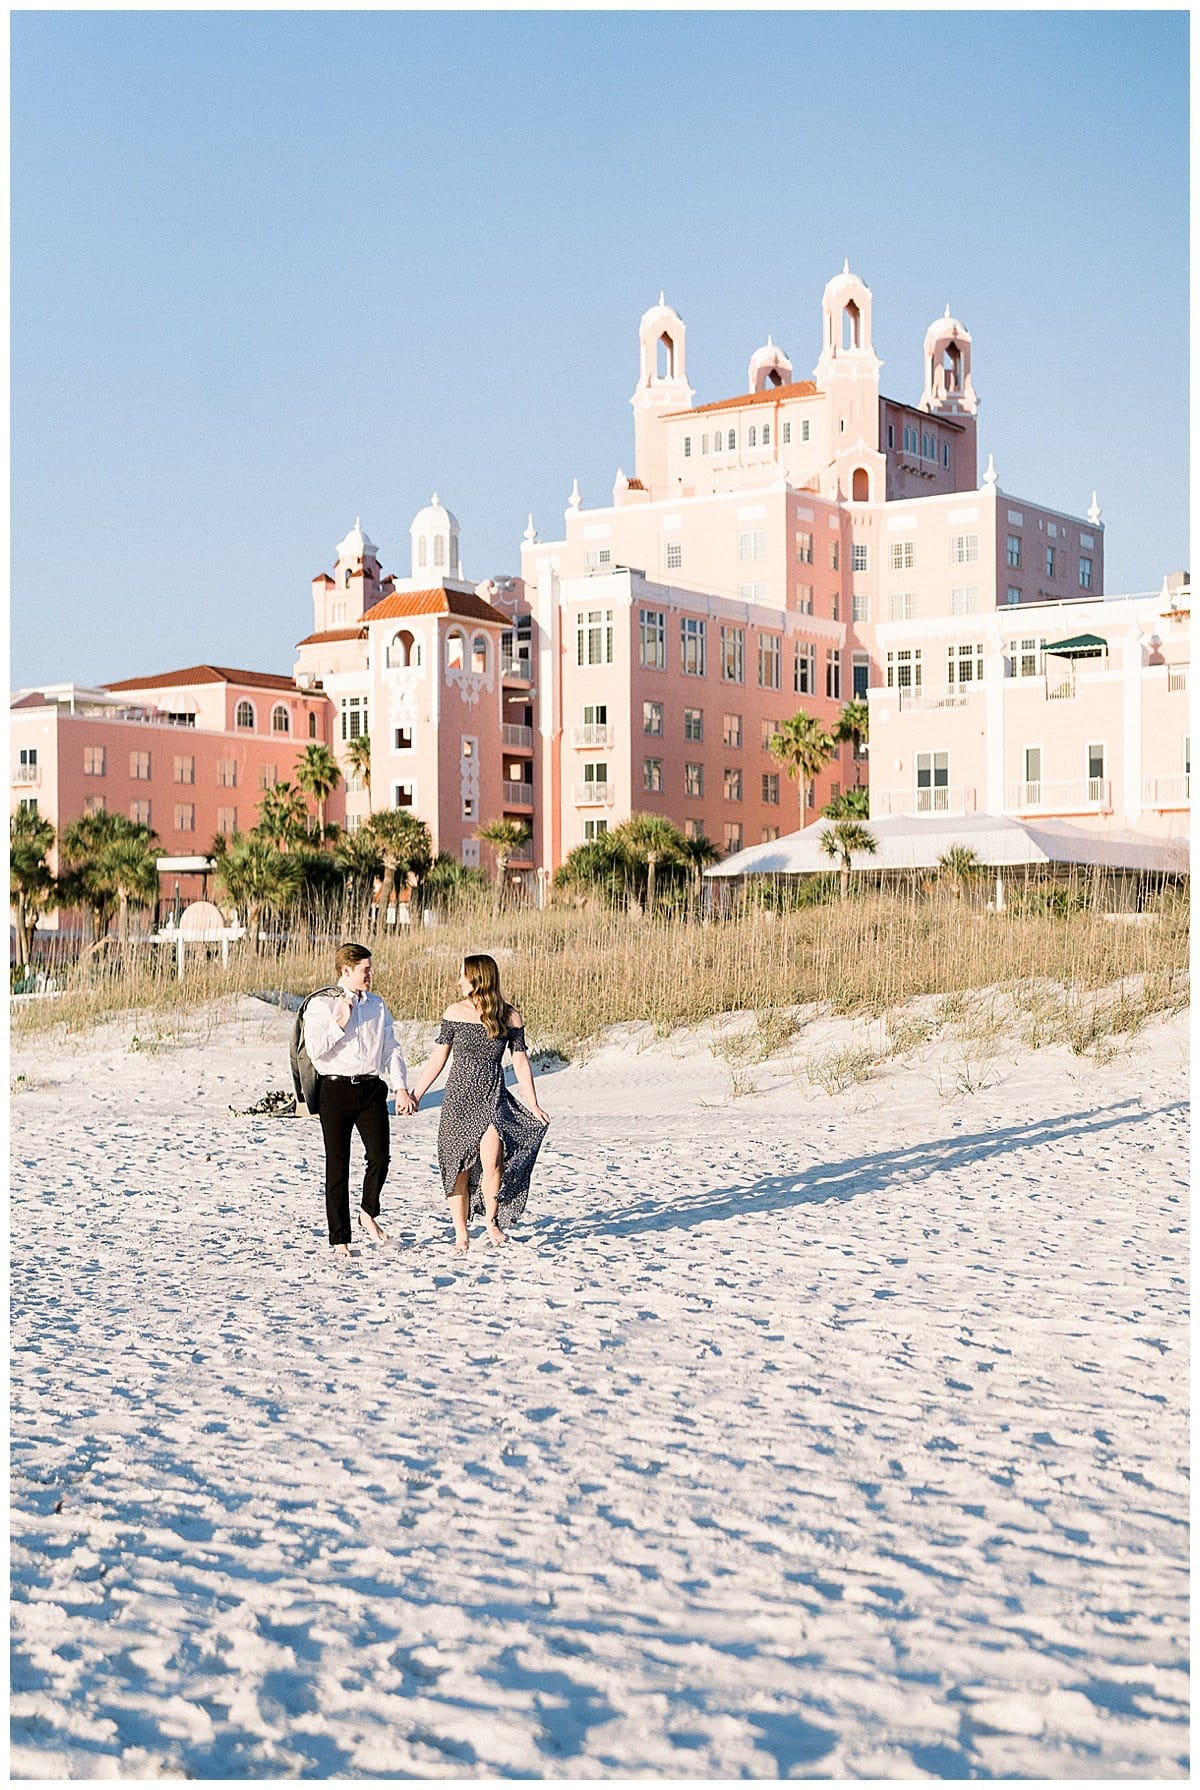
(487, 1141)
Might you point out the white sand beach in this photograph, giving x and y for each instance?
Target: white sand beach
(799, 1435)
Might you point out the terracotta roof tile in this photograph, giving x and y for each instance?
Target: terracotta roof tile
(206, 674)
(802, 388)
(333, 634)
(634, 485)
(439, 601)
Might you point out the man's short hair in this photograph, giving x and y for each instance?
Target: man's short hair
(349, 955)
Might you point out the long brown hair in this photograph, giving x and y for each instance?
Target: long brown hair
(489, 1003)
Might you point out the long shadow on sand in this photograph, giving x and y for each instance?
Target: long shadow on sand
(856, 1175)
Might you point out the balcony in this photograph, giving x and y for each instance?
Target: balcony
(1167, 792)
(592, 734)
(593, 795)
(1075, 796)
(916, 697)
(942, 799)
(25, 775)
(511, 667)
(1062, 691)
(520, 737)
(518, 795)
(1177, 677)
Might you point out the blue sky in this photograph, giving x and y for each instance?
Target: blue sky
(274, 270)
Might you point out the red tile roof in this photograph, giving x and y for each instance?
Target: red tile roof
(436, 602)
(802, 388)
(634, 485)
(206, 674)
(333, 634)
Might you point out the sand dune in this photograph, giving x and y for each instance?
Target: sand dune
(800, 1435)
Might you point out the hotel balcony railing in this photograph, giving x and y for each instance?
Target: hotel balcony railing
(521, 737)
(1177, 677)
(518, 795)
(593, 795)
(591, 734)
(1167, 792)
(1062, 691)
(942, 799)
(515, 667)
(1061, 798)
(916, 696)
(26, 774)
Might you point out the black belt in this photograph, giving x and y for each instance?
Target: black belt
(354, 1080)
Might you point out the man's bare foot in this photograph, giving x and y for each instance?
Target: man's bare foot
(496, 1236)
(461, 1245)
(373, 1228)
(341, 1255)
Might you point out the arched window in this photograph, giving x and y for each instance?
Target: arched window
(752, 436)
(439, 550)
(479, 654)
(851, 320)
(774, 377)
(666, 357)
(421, 551)
(456, 651)
(244, 716)
(766, 434)
(312, 725)
(454, 555)
(951, 362)
(400, 651)
(347, 578)
(732, 438)
(280, 719)
(860, 487)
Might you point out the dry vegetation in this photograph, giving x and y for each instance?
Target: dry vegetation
(1081, 979)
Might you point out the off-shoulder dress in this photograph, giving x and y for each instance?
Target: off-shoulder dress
(475, 1098)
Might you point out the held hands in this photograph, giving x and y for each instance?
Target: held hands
(406, 1103)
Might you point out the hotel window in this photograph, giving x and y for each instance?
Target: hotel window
(804, 547)
(93, 762)
(687, 447)
(1052, 530)
(268, 776)
(652, 775)
(946, 453)
(964, 664)
(1014, 550)
(281, 721)
(227, 773)
(752, 593)
(733, 784)
(733, 835)
(732, 441)
(402, 795)
(674, 555)
(833, 671)
(858, 557)
(1087, 542)
(1085, 574)
(766, 435)
(693, 829)
(903, 555)
(139, 766)
(752, 436)
(810, 794)
(752, 544)
(770, 788)
(91, 805)
(733, 655)
(964, 599)
(402, 739)
(900, 606)
(594, 637)
(768, 731)
(770, 660)
(244, 715)
(860, 677)
(693, 779)
(652, 717)
(769, 833)
(860, 608)
(704, 444)
(804, 430)
(834, 556)
(904, 668)
(732, 732)
(929, 446)
(1013, 594)
(806, 669)
(693, 724)
(227, 821)
(468, 808)
(139, 813)
(692, 644)
(804, 598)
(785, 434)
(933, 773)
(1049, 562)
(652, 627)
(596, 772)
(597, 559)
(595, 829)
(891, 435)
(1028, 658)
(185, 817)
(185, 770)
(835, 604)
(1095, 765)
(354, 717)
(964, 550)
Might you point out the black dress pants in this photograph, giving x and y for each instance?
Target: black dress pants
(345, 1107)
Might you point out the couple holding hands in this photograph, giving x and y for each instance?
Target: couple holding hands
(487, 1141)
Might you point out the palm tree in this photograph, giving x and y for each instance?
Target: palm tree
(698, 852)
(358, 858)
(282, 816)
(596, 865)
(959, 862)
(358, 757)
(506, 837)
(852, 804)
(843, 838)
(85, 880)
(650, 839)
(803, 746)
(404, 844)
(129, 867)
(853, 725)
(254, 875)
(450, 881)
(30, 879)
(318, 775)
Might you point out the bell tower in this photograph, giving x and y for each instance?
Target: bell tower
(948, 386)
(662, 386)
(848, 373)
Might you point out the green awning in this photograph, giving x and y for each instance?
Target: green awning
(1079, 646)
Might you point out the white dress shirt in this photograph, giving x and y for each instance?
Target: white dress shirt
(367, 1046)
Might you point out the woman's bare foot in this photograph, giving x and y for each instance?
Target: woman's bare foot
(461, 1245)
(341, 1255)
(495, 1235)
(373, 1228)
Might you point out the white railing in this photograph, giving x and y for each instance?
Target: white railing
(26, 773)
(1177, 677)
(916, 696)
(591, 734)
(518, 795)
(510, 666)
(593, 795)
(1061, 692)
(518, 736)
(1062, 797)
(1167, 792)
(942, 799)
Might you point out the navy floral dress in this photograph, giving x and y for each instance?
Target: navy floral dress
(475, 1098)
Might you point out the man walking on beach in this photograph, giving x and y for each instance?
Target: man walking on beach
(351, 1041)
